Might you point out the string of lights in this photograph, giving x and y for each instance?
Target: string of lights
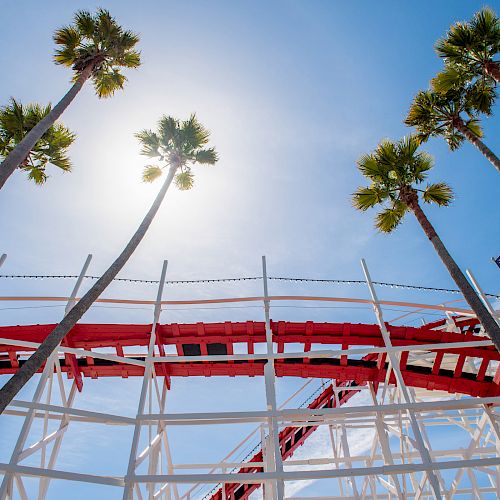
(247, 278)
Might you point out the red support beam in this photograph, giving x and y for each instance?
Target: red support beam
(219, 338)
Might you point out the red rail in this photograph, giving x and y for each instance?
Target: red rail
(290, 438)
(221, 338)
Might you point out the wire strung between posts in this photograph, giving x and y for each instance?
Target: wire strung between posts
(247, 278)
(129, 280)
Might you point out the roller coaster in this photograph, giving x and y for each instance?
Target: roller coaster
(416, 382)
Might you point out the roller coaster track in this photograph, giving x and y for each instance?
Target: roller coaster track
(355, 355)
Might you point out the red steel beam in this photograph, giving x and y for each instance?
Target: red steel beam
(221, 338)
(290, 438)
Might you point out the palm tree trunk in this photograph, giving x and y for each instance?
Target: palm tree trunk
(38, 358)
(489, 323)
(491, 69)
(474, 139)
(22, 150)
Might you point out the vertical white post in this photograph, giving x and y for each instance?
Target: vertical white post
(336, 456)
(274, 451)
(2, 258)
(148, 370)
(384, 442)
(6, 485)
(44, 482)
(482, 295)
(348, 460)
(394, 364)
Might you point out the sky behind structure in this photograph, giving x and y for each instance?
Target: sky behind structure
(293, 93)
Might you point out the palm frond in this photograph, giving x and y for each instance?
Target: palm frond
(107, 27)
(421, 164)
(150, 143)
(16, 120)
(206, 156)
(184, 180)
(422, 137)
(475, 127)
(85, 23)
(485, 24)
(453, 138)
(99, 42)
(480, 96)
(386, 152)
(106, 83)
(151, 173)
(67, 36)
(435, 114)
(422, 113)
(168, 130)
(451, 77)
(37, 175)
(131, 59)
(407, 147)
(177, 144)
(439, 193)
(370, 167)
(128, 40)
(61, 161)
(473, 44)
(193, 134)
(367, 197)
(66, 56)
(389, 219)
(60, 136)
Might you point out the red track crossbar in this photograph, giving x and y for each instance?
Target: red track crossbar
(131, 340)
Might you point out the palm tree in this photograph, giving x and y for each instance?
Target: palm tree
(396, 171)
(96, 48)
(436, 114)
(469, 49)
(177, 145)
(16, 121)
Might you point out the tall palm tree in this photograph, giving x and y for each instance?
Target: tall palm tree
(396, 171)
(436, 114)
(469, 50)
(177, 145)
(16, 121)
(96, 47)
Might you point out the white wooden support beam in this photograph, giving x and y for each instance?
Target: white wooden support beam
(148, 371)
(384, 444)
(6, 486)
(482, 295)
(274, 452)
(394, 362)
(44, 483)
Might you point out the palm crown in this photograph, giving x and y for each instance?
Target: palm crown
(16, 121)
(437, 114)
(178, 144)
(395, 169)
(469, 49)
(99, 42)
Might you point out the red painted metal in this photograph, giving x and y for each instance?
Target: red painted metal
(290, 438)
(221, 338)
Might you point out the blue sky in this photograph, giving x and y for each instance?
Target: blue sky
(293, 93)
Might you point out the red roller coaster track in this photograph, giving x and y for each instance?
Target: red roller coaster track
(349, 370)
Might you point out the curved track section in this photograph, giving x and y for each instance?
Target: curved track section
(457, 360)
(344, 359)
